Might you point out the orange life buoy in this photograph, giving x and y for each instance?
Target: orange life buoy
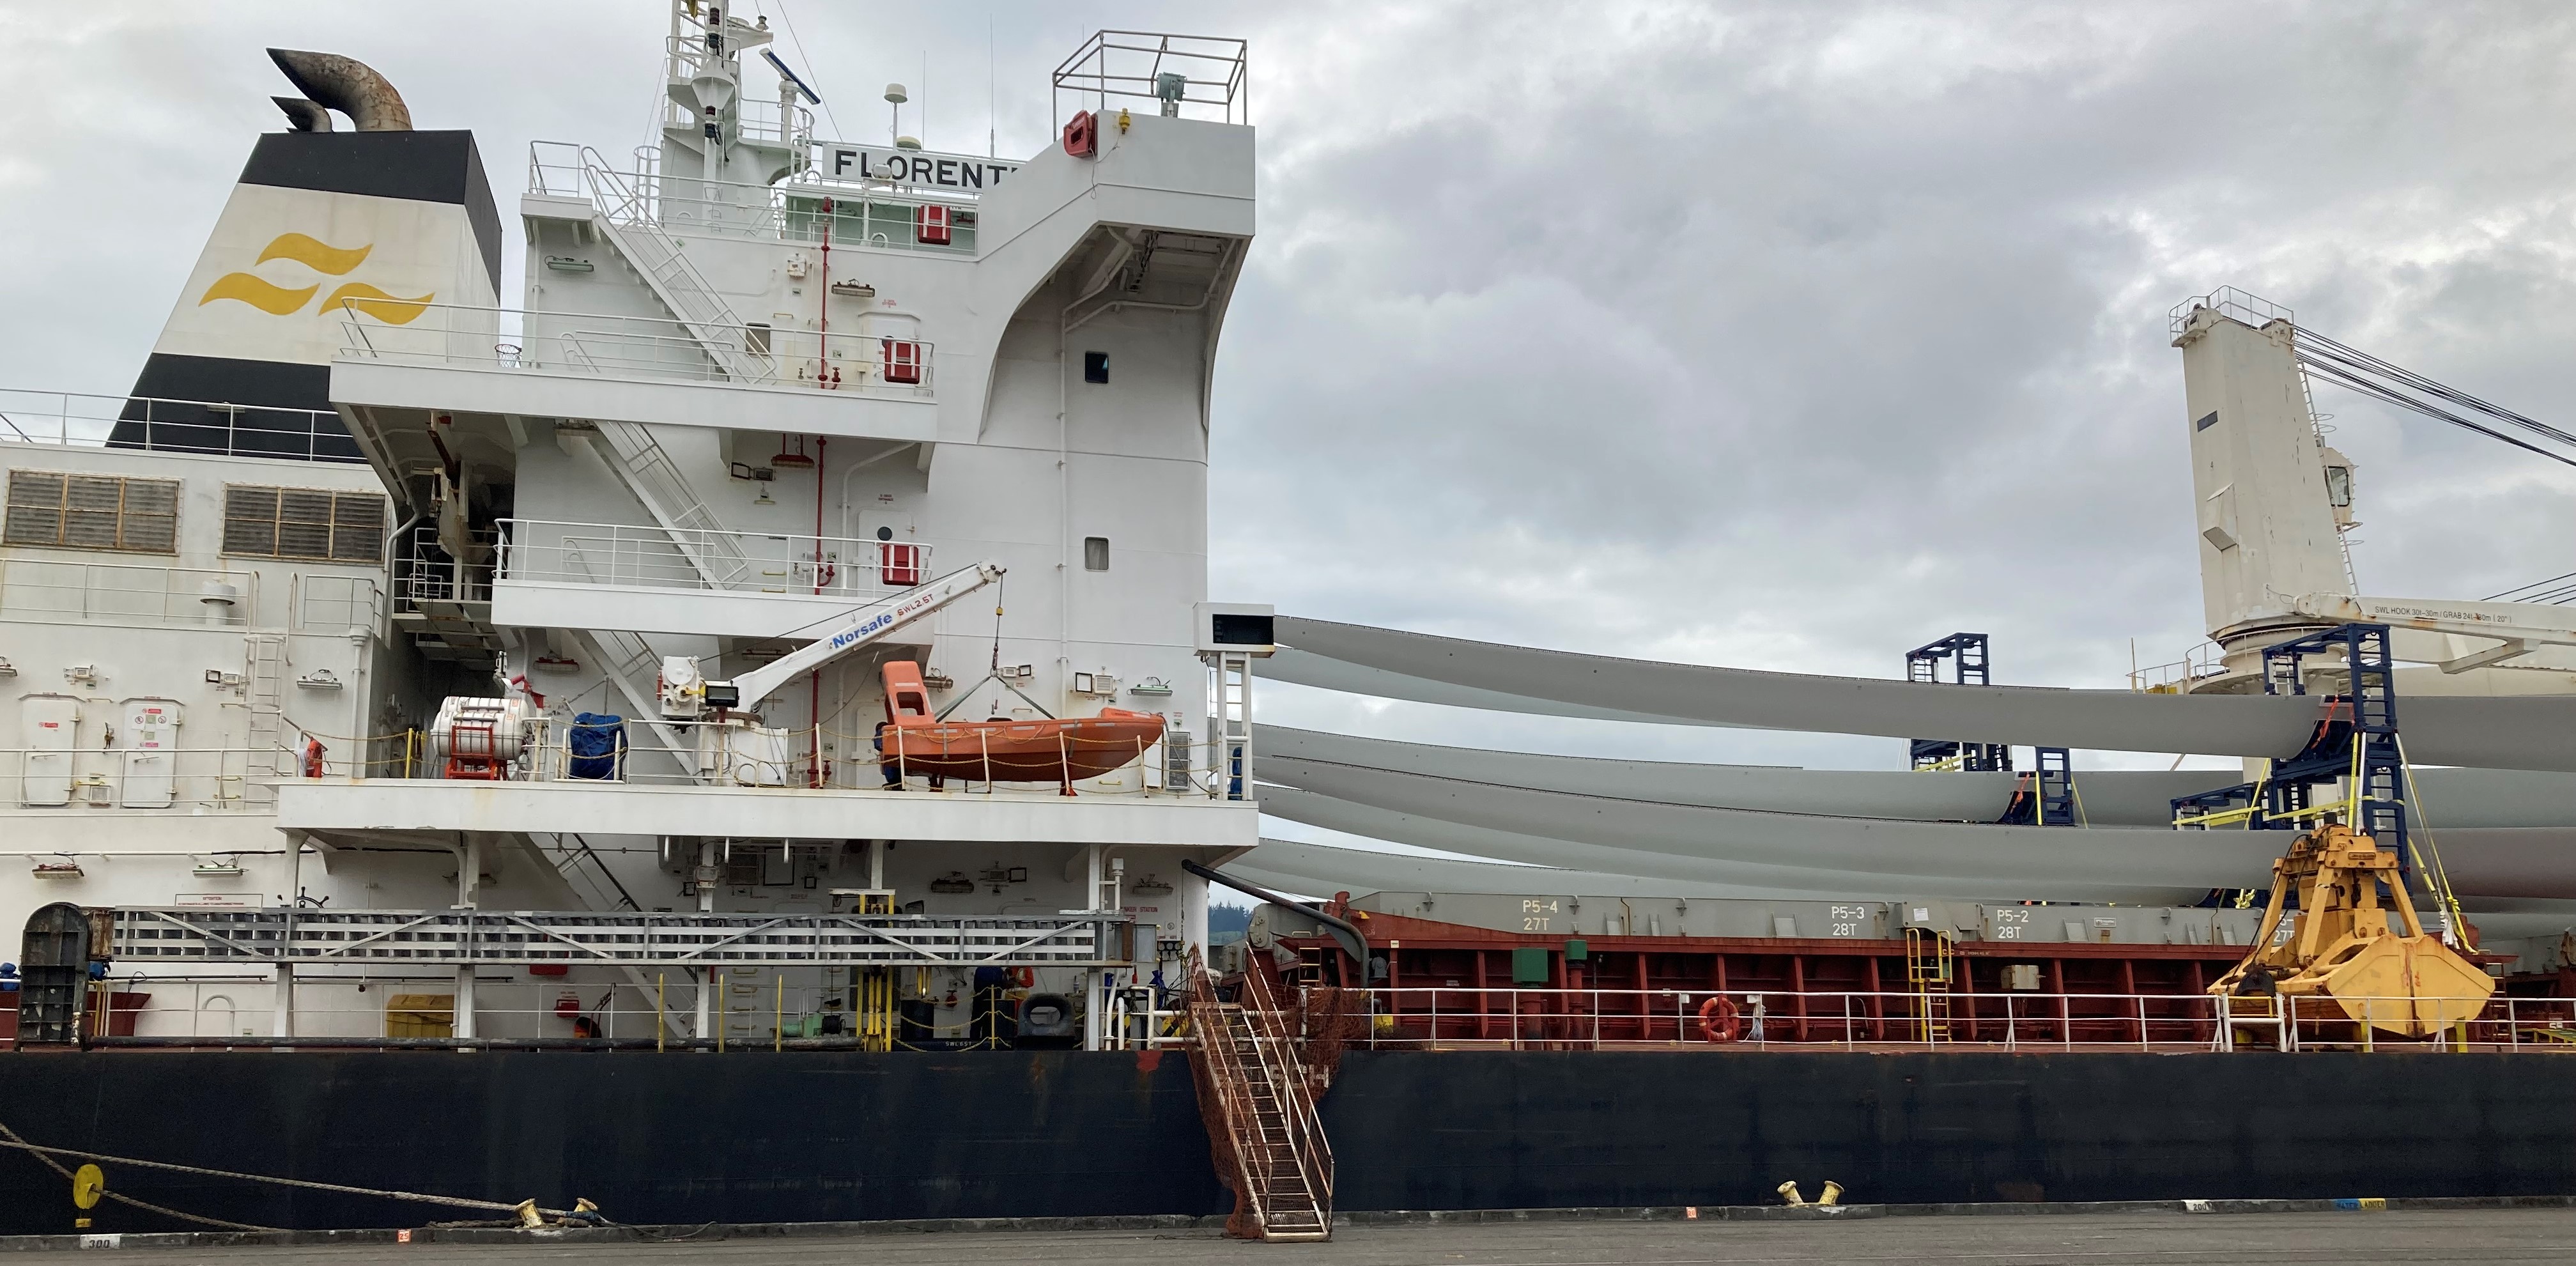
(312, 758)
(1719, 1021)
(1024, 977)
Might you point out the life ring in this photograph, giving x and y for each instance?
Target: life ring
(1719, 1021)
(1024, 977)
(312, 757)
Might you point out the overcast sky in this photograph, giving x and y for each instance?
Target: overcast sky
(1779, 337)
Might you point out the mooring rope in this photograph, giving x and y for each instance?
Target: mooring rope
(121, 1197)
(46, 1154)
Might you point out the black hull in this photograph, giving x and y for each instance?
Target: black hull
(827, 1136)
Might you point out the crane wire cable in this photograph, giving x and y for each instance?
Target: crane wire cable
(2554, 589)
(2357, 381)
(2357, 370)
(2364, 363)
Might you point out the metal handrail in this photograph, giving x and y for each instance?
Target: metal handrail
(1887, 1020)
(562, 169)
(80, 419)
(1221, 1079)
(28, 589)
(1307, 1142)
(623, 554)
(877, 361)
(1213, 73)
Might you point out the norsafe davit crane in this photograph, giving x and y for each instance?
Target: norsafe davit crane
(686, 694)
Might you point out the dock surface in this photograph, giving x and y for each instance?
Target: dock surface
(2491, 1237)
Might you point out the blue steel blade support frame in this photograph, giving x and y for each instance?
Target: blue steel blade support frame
(2367, 713)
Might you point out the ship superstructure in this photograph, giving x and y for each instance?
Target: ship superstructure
(758, 380)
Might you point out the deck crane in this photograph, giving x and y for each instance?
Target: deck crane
(686, 694)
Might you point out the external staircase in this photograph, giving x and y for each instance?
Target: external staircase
(622, 217)
(635, 669)
(647, 469)
(1257, 1093)
(582, 867)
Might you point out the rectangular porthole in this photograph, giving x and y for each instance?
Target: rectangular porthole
(1095, 366)
(2207, 421)
(1095, 553)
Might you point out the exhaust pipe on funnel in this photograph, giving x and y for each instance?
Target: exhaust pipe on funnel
(344, 84)
(306, 116)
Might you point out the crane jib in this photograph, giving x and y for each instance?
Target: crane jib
(881, 620)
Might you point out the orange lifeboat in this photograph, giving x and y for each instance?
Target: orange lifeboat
(1057, 751)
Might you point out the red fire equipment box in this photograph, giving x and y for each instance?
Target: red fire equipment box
(902, 361)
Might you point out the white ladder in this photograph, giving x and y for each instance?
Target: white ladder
(2317, 426)
(621, 218)
(264, 690)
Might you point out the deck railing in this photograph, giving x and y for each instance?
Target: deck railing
(881, 355)
(85, 420)
(625, 555)
(1642, 1019)
(867, 214)
(550, 750)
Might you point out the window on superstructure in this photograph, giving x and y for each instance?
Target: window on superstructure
(106, 512)
(1095, 553)
(314, 524)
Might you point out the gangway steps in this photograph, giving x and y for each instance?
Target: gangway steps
(1286, 1204)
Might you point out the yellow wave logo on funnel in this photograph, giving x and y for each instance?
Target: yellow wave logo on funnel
(313, 253)
(274, 300)
(321, 257)
(376, 303)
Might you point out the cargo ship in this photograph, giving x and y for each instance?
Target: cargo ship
(487, 757)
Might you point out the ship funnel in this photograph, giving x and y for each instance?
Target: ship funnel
(347, 85)
(327, 231)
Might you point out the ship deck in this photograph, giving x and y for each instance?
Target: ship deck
(341, 810)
